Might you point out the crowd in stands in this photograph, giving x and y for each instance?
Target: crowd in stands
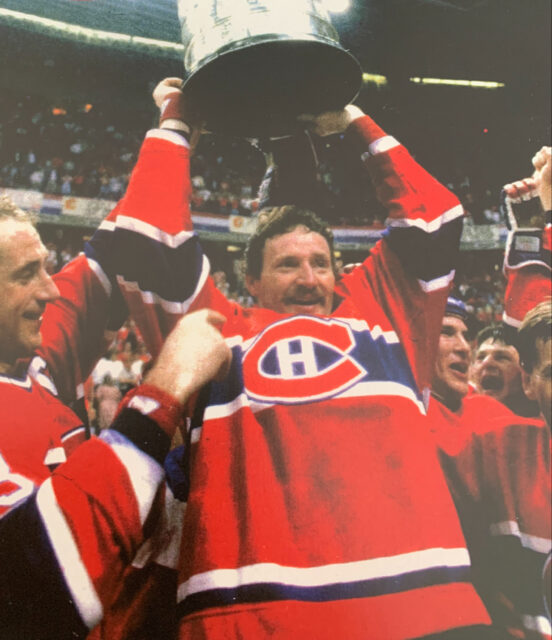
(76, 149)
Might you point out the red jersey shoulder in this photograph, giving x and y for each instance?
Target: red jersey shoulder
(37, 433)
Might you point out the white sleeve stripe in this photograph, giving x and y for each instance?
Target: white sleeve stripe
(139, 226)
(150, 297)
(511, 528)
(429, 227)
(100, 274)
(511, 321)
(65, 548)
(128, 223)
(144, 472)
(382, 145)
(170, 136)
(438, 283)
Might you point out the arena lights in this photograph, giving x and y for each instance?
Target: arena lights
(477, 84)
(374, 78)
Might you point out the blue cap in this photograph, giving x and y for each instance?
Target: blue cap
(456, 307)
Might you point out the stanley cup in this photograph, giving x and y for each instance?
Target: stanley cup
(254, 65)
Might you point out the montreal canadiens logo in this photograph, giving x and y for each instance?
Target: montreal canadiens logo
(301, 359)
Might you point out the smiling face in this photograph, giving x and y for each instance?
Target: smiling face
(496, 370)
(450, 378)
(297, 274)
(25, 288)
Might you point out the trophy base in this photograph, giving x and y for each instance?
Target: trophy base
(258, 90)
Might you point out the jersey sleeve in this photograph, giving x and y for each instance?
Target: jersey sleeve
(411, 269)
(147, 245)
(65, 549)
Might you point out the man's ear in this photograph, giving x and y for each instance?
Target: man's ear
(526, 383)
(252, 285)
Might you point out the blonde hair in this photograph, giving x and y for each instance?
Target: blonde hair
(10, 211)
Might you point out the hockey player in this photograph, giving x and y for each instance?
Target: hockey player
(89, 544)
(500, 472)
(317, 507)
(500, 477)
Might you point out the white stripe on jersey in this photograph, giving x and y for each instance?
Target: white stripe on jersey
(511, 321)
(100, 274)
(65, 548)
(171, 240)
(170, 136)
(381, 145)
(359, 390)
(511, 528)
(346, 572)
(171, 307)
(144, 473)
(428, 227)
(438, 283)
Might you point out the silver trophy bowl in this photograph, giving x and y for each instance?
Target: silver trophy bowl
(254, 65)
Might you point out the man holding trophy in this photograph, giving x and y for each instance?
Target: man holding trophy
(315, 503)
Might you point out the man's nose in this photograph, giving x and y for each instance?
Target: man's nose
(47, 290)
(306, 275)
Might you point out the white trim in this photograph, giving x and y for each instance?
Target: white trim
(511, 321)
(172, 240)
(171, 307)
(347, 572)
(213, 412)
(24, 384)
(100, 273)
(67, 553)
(381, 145)
(428, 286)
(144, 472)
(382, 388)
(170, 136)
(511, 528)
(358, 390)
(428, 227)
(56, 455)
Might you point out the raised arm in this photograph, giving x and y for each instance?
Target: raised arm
(65, 549)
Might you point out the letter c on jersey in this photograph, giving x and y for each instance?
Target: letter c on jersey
(301, 359)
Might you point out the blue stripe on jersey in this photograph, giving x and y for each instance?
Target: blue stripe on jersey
(270, 592)
(378, 360)
(34, 599)
(122, 252)
(426, 256)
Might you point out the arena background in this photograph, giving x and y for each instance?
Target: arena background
(77, 76)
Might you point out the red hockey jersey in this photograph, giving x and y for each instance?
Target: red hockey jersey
(91, 542)
(317, 506)
(502, 485)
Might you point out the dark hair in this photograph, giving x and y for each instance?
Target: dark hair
(495, 333)
(277, 221)
(537, 325)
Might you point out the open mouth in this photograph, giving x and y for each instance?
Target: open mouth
(460, 367)
(491, 383)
